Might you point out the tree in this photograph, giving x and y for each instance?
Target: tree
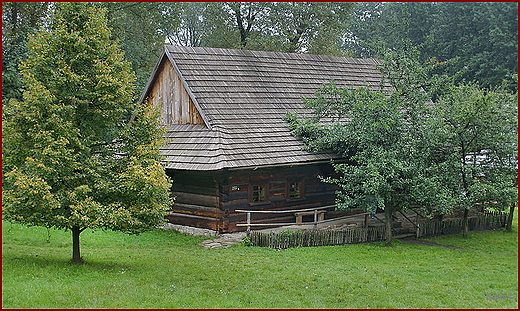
(285, 27)
(192, 27)
(314, 27)
(480, 40)
(72, 159)
(19, 19)
(378, 132)
(477, 131)
(141, 29)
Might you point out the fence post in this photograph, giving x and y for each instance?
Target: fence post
(365, 224)
(417, 232)
(315, 219)
(248, 223)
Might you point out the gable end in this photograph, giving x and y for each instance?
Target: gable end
(167, 90)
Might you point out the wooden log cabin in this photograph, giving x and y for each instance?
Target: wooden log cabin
(229, 147)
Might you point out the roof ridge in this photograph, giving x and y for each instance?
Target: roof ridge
(263, 54)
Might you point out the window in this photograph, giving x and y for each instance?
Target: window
(294, 190)
(258, 194)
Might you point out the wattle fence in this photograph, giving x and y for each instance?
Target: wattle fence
(305, 238)
(488, 221)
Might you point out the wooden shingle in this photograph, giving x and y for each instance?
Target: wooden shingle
(243, 97)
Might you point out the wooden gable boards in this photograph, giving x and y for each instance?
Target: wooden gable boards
(168, 90)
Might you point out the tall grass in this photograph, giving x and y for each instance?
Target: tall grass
(165, 269)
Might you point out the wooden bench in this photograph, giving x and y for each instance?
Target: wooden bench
(299, 215)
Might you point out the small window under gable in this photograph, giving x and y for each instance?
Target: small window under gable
(169, 93)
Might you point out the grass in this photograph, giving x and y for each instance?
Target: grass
(165, 269)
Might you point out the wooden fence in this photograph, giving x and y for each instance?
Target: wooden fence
(486, 221)
(303, 238)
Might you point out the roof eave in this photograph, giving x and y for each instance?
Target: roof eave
(152, 77)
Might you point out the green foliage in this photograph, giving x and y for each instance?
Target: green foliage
(416, 143)
(379, 133)
(19, 20)
(272, 26)
(141, 28)
(247, 241)
(472, 122)
(478, 41)
(71, 157)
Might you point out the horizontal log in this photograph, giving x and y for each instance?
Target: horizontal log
(235, 196)
(196, 199)
(192, 178)
(194, 221)
(276, 175)
(179, 187)
(199, 210)
(288, 211)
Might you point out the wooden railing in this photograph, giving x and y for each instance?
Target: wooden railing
(315, 210)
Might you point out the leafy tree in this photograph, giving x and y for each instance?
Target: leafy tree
(379, 133)
(72, 161)
(314, 27)
(19, 19)
(278, 26)
(480, 40)
(141, 29)
(477, 133)
(193, 26)
(248, 18)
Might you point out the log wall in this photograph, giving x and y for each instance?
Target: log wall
(235, 193)
(210, 199)
(197, 199)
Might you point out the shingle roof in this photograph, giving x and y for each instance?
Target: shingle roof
(243, 96)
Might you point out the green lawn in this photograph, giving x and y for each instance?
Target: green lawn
(165, 269)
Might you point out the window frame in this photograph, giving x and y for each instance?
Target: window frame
(259, 183)
(288, 183)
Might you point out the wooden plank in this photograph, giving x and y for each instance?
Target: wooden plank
(165, 103)
(180, 187)
(171, 93)
(185, 107)
(178, 99)
(288, 211)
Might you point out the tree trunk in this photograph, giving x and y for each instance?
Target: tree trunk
(388, 223)
(465, 227)
(509, 223)
(75, 245)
